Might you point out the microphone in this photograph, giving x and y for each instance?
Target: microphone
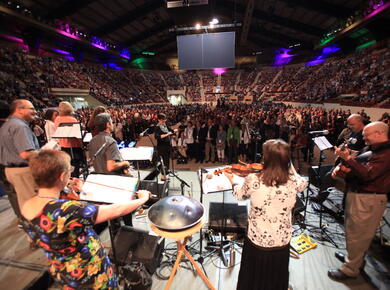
(322, 132)
(145, 132)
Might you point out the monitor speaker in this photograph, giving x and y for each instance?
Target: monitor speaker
(228, 217)
(133, 245)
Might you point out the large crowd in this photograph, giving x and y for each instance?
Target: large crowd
(254, 125)
(360, 78)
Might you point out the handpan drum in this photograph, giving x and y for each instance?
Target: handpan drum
(176, 213)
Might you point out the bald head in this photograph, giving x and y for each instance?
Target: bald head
(376, 132)
(355, 122)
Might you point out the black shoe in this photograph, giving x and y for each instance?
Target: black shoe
(337, 275)
(340, 256)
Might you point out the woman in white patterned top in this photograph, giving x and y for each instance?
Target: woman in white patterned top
(272, 193)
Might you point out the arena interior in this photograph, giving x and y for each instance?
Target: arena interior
(193, 90)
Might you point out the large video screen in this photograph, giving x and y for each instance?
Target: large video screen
(206, 51)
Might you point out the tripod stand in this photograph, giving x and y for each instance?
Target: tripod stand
(324, 234)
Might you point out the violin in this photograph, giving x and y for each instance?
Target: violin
(242, 169)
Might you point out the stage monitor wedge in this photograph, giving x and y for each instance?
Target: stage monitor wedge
(206, 51)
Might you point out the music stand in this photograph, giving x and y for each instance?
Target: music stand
(323, 144)
(107, 189)
(137, 154)
(70, 131)
(217, 184)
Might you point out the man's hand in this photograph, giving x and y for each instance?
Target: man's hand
(340, 171)
(143, 194)
(343, 154)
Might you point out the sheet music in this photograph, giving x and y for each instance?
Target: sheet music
(217, 183)
(137, 153)
(109, 188)
(322, 143)
(68, 131)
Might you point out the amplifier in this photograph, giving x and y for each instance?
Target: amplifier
(234, 215)
(133, 245)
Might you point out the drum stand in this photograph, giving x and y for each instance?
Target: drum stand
(181, 239)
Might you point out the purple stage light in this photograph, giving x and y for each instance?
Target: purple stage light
(99, 46)
(12, 38)
(378, 8)
(219, 71)
(330, 49)
(61, 51)
(323, 55)
(112, 65)
(70, 58)
(282, 57)
(67, 34)
(96, 42)
(125, 53)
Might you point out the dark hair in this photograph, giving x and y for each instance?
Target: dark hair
(276, 162)
(98, 110)
(49, 114)
(4, 109)
(47, 166)
(101, 121)
(161, 116)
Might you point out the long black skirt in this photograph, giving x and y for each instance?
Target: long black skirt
(263, 268)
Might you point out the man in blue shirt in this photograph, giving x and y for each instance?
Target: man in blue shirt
(17, 142)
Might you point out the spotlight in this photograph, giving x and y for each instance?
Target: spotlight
(197, 26)
(214, 21)
(17, 6)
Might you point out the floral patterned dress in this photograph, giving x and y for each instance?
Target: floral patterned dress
(269, 219)
(77, 258)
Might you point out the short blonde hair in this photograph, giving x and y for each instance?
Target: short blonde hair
(65, 108)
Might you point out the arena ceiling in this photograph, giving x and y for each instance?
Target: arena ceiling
(147, 25)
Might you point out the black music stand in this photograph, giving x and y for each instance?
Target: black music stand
(224, 188)
(71, 131)
(323, 144)
(106, 198)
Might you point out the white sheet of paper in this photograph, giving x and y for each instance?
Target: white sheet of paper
(137, 153)
(109, 188)
(68, 131)
(87, 138)
(216, 183)
(322, 143)
(51, 145)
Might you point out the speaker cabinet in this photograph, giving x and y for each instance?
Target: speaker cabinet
(137, 245)
(231, 215)
(316, 177)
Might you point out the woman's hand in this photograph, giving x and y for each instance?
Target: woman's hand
(75, 184)
(229, 176)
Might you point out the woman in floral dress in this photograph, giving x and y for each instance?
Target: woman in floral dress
(64, 229)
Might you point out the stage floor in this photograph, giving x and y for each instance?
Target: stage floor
(20, 265)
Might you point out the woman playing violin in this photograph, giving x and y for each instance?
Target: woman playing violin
(272, 193)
